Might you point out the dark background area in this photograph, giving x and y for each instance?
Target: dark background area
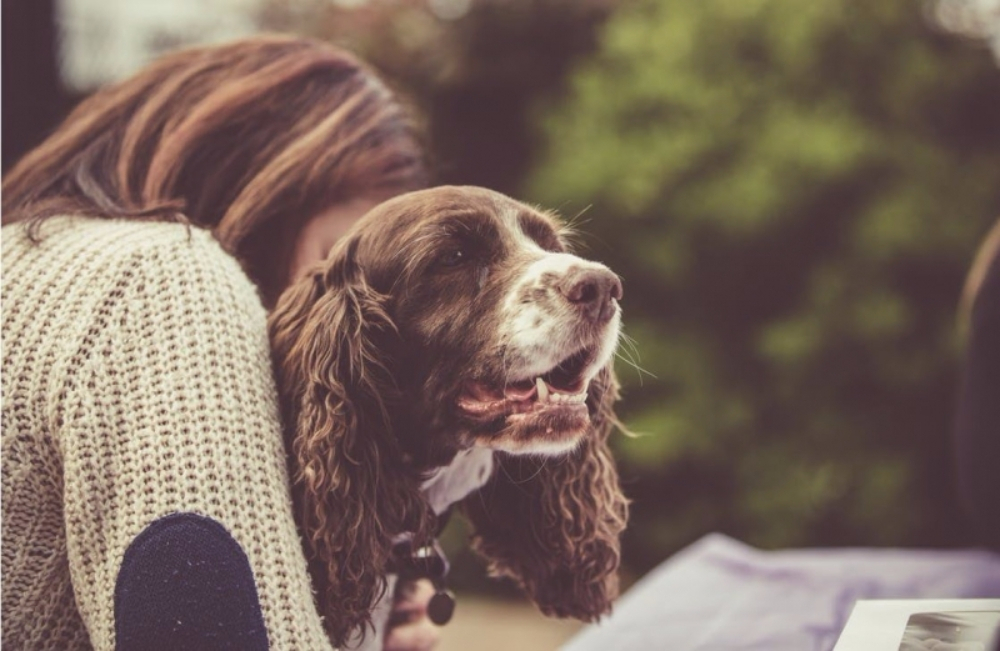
(34, 100)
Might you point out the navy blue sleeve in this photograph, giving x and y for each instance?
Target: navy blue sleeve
(977, 432)
(185, 583)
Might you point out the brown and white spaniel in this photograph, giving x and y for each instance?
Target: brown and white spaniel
(452, 349)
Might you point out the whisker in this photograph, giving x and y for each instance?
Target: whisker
(629, 354)
(577, 219)
(513, 482)
(570, 230)
(545, 461)
(629, 350)
(630, 343)
(641, 371)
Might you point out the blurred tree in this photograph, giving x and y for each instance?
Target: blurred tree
(792, 192)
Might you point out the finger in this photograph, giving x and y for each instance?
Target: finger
(411, 602)
(421, 635)
(415, 595)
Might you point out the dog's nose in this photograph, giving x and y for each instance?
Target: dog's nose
(592, 291)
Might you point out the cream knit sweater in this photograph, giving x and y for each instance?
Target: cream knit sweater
(136, 383)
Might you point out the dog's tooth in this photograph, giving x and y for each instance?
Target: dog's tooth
(543, 390)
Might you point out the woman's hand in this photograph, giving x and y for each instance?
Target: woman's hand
(410, 629)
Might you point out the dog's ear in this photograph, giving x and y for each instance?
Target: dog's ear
(353, 492)
(553, 524)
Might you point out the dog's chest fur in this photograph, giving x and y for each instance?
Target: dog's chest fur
(469, 470)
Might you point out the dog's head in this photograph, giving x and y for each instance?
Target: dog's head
(451, 319)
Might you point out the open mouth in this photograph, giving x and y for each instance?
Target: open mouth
(562, 387)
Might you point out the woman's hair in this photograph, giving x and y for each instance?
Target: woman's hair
(248, 139)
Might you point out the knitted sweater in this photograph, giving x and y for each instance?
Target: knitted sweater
(136, 384)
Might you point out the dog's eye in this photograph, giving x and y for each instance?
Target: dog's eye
(453, 258)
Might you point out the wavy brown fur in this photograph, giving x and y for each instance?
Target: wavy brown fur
(553, 525)
(351, 488)
(369, 341)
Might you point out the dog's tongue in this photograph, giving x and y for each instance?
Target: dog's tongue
(480, 397)
(520, 391)
(482, 392)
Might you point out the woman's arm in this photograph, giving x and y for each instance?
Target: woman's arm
(178, 515)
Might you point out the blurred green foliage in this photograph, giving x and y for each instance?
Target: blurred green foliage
(791, 191)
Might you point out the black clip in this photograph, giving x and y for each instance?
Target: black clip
(427, 562)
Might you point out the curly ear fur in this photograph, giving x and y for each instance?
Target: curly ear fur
(553, 524)
(353, 493)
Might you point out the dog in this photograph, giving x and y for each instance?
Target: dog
(452, 350)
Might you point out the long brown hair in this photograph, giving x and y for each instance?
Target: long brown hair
(247, 139)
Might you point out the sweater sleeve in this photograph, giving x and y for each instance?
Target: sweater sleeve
(172, 453)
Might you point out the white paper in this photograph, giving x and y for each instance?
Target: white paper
(878, 625)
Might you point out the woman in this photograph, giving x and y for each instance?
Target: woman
(146, 499)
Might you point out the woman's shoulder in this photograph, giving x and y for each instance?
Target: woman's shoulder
(73, 234)
(109, 245)
(91, 256)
